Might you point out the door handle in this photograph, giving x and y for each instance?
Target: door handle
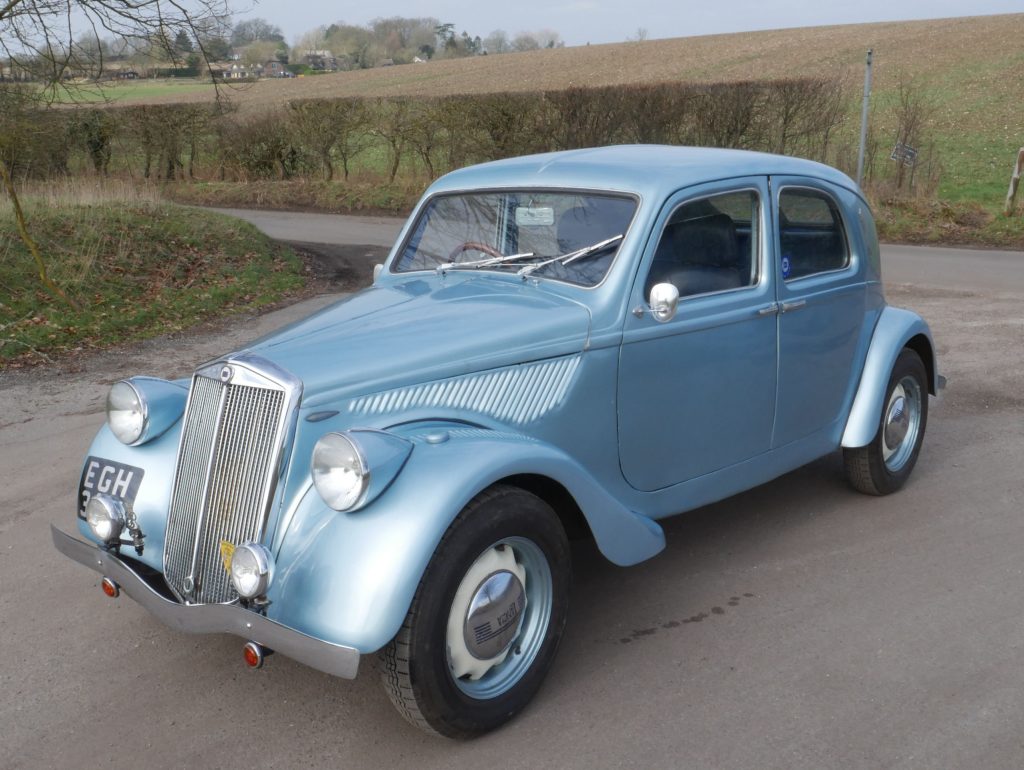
(795, 305)
(771, 309)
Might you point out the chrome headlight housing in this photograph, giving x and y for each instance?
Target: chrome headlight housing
(252, 569)
(105, 516)
(339, 471)
(127, 412)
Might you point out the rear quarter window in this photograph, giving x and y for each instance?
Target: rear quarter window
(811, 233)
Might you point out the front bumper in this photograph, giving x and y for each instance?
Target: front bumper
(336, 659)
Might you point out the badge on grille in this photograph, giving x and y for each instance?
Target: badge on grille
(227, 550)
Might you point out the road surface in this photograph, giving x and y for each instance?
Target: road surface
(799, 625)
(963, 269)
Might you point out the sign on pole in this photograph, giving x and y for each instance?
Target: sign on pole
(904, 153)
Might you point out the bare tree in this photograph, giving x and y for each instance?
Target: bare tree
(914, 112)
(497, 42)
(51, 39)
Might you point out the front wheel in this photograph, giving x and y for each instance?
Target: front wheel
(486, 619)
(884, 465)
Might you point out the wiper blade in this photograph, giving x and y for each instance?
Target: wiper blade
(442, 268)
(572, 256)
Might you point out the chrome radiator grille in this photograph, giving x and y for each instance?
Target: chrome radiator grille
(226, 474)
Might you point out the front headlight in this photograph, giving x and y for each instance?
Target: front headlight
(127, 412)
(252, 569)
(340, 474)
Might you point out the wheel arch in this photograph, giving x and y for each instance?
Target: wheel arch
(896, 329)
(559, 498)
(922, 345)
(385, 547)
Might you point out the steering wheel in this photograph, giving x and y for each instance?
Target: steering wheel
(474, 246)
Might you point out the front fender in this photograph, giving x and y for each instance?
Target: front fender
(895, 328)
(351, 577)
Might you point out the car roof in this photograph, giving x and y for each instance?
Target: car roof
(640, 169)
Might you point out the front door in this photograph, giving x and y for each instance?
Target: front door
(697, 393)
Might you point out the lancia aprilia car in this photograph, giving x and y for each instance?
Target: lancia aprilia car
(568, 345)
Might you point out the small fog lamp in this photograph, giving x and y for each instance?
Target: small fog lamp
(252, 569)
(105, 517)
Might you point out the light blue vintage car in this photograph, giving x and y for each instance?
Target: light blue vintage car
(571, 345)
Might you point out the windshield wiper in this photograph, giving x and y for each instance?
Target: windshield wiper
(442, 268)
(572, 256)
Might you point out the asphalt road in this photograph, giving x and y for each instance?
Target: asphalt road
(969, 269)
(799, 625)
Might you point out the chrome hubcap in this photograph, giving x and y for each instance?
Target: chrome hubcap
(499, 618)
(494, 614)
(896, 422)
(901, 424)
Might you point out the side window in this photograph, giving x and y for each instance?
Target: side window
(811, 233)
(709, 245)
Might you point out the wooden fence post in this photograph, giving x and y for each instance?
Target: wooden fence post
(1014, 182)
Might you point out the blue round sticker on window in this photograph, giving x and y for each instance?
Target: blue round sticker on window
(785, 267)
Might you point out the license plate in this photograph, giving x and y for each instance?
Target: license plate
(118, 480)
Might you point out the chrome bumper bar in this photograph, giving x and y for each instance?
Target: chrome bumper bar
(331, 658)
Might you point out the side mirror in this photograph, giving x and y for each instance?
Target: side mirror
(377, 269)
(664, 301)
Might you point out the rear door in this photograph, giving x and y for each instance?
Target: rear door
(821, 295)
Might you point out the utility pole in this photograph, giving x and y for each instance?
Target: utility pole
(864, 119)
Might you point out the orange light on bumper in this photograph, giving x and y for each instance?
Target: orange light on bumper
(110, 588)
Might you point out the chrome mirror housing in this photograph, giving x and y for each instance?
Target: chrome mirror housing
(664, 301)
(377, 270)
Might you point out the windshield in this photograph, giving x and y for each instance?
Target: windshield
(567, 236)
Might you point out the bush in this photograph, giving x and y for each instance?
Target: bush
(313, 136)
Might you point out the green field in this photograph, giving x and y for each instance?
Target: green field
(144, 91)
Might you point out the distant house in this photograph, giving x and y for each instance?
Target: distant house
(274, 69)
(127, 75)
(241, 71)
(321, 61)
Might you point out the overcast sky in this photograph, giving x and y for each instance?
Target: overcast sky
(608, 21)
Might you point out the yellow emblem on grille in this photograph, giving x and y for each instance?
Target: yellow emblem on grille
(227, 550)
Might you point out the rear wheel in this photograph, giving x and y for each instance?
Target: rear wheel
(884, 465)
(486, 620)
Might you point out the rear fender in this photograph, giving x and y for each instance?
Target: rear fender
(895, 330)
(350, 577)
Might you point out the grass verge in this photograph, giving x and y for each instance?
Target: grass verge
(133, 270)
(947, 223)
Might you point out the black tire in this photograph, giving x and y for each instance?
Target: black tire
(415, 664)
(867, 468)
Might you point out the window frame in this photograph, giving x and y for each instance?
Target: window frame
(756, 255)
(414, 220)
(836, 207)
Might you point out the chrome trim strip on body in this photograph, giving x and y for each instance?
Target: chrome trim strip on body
(336, 659)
